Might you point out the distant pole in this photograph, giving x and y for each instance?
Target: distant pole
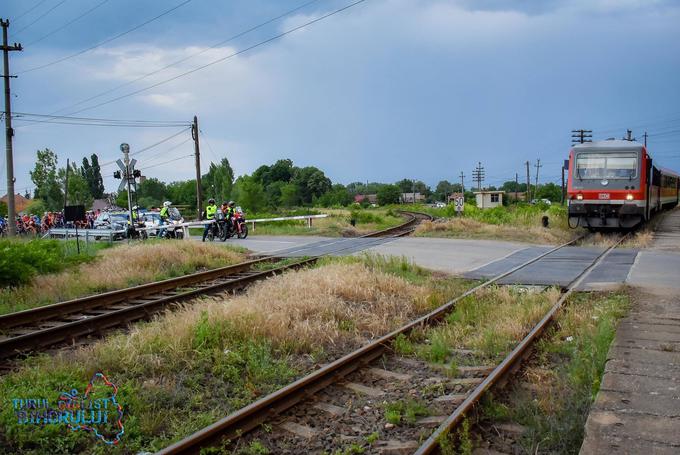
(516, 186)
(538, 167)
(197, 154)
(9, 132)
(562, 198)
(528, 193)
(645, 135)
(66, 184)
(462, 183)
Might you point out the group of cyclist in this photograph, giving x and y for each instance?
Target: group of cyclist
(228, 209)
(33, 224)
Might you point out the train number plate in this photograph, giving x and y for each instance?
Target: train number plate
(604, 196)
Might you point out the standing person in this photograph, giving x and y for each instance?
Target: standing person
(165, 215)
(209, 213)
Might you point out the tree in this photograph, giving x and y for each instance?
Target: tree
(182, 193)
(219, 181)
(444, 188)
(338, 195)
(44, 177)
(93, 176)
(405, 185)
(3, 209)
(389, 194)
(151, 192)
(311, 183)
(549, 191)
(78, 188)
(290, 195)
(249, 193)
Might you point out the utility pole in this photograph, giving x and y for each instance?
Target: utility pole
(462, 183)
(9, 132)
(197, 154)
(68, 165)
(538, 167)
(645, 135)
(562, 194)
(528, 193)
(516, 186)
(478, 175)
(581, 136)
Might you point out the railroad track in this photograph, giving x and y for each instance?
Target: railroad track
(402, 230)
(39, 328)
(312, 412)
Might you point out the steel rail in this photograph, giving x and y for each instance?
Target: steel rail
(431, 444)
(113, 316)
(113, 308)
(33, 315)
(258, 412)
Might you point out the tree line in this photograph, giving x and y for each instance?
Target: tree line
(268, 188)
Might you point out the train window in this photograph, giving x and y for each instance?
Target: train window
(606, 165)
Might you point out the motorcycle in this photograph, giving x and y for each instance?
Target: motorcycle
(238, 225)
(171, 228)
(218, 229)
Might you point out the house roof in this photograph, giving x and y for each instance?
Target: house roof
(489, 192)
(20, 202)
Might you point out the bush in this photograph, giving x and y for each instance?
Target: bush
(363, 216)
(21, 260)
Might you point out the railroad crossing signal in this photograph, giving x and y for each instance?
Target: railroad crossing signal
(124, 175)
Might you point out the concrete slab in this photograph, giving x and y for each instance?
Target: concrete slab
(630, 403)
(450, 255)
(656, 269)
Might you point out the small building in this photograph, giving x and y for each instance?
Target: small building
(489, 199)
(370, 198)
(20, 202)
(411, 198)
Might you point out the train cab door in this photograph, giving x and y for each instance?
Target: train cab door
(648, 208)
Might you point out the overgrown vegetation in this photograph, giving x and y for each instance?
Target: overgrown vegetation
(89, 273)
(563, 380)
(187, 368)
(520, 222)
(20, 261)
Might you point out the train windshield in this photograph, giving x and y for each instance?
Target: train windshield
(606, 165)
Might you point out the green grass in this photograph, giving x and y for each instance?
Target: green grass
(405, 411)
(566, 376)
(21, 260)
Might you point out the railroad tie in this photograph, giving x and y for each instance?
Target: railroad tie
(364, 390)
(387, 374)
(330, 408)
(394, 447)
(300, 430)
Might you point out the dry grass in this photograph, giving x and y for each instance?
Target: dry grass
(116, 268)
(474, 229)
(639, 239)
(300, 311)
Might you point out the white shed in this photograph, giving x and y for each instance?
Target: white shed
(489, 199)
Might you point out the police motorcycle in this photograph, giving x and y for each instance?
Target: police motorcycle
(172, 226)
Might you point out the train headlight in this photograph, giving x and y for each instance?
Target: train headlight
(629, 197)
(579, 197)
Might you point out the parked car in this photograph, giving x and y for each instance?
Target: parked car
(151, 219)
(116, 221)
(541, 201)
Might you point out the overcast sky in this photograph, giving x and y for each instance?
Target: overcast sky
(387, 89)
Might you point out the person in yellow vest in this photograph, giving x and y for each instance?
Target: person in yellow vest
(209, 213)
(165, 215)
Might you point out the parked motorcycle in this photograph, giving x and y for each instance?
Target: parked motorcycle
(238, 224)
(218, 229)
(172, 227)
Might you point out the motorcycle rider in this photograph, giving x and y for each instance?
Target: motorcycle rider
(165, 215)
(209, 214)
(229, 214)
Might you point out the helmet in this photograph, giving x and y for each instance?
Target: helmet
(225, 203)
(232, 203)
(135, 208)
(167, 204)
(211, 201)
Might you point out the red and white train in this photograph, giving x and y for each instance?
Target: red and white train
(614, 184)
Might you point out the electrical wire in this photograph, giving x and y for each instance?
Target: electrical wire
(219, 60)
(167, 151)
(41, 16)
(117, 125)
(108, 40)
(184, 59)
(88, 121)
(162, 141)
(29, 10)
(165, 162)
(68, 23)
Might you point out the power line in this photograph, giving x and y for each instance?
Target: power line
(29, 10)
(162, 141)
(166, 162)
(242, 51)
(176, 62)
(97, 119)
(68, 23)
(117, 125)
(108, 40)
(41, 16)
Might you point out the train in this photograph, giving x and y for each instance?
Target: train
(615, 185)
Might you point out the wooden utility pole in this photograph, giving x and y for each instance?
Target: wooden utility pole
(9, 132)
(538, 167)
(68, 165)
(516, 186)
(645, 135)
(197, 155)
(462, 183)
(528, 193)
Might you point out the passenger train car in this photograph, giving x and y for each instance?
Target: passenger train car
(614, 184)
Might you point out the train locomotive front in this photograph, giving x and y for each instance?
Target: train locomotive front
(614, 185)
